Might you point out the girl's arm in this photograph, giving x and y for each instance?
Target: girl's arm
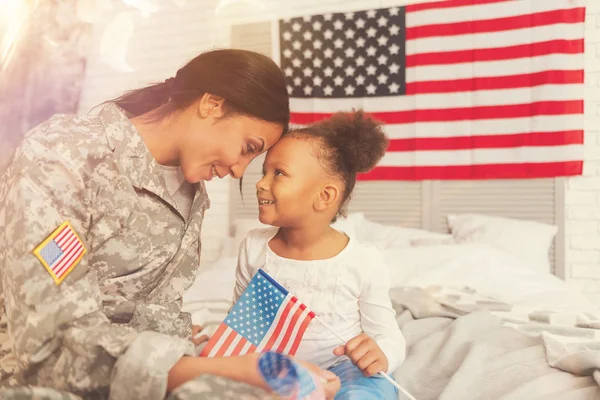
(378, 318)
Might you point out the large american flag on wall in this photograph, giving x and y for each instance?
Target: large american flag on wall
(468, 89)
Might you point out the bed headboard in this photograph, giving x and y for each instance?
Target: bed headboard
(420, 204)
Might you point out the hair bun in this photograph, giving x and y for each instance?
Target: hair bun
(358, 137)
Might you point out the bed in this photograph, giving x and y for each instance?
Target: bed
(482, 316)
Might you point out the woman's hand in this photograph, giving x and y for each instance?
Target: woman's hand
(242, 369)
(365, 353)
(331, 382)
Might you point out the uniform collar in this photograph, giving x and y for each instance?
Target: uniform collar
(134, 157)
(131, 152)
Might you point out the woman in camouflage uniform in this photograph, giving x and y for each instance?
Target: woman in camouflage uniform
(101, 222)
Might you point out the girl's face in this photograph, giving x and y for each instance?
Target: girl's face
(216, 144)
(291, 183)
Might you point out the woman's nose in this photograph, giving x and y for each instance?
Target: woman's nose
(237, 171)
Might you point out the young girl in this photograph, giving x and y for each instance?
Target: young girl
(308, 177)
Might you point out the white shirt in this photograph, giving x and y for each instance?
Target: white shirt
(349, 292)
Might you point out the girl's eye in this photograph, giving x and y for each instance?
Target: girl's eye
(278, 172)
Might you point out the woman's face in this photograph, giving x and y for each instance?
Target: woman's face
(217, 144)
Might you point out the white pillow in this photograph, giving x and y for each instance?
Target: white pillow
(241, 227)
(350, 224)
(211, 248)
(386, 236)
(383, 236)
(528, 240)
(432, 239)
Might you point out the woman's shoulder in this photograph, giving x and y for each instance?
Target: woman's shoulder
(71, 138)
(77, 129)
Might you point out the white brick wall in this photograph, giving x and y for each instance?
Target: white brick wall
(582, 196)
(165, 40)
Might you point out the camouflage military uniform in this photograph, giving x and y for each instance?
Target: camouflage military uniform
(114, 326)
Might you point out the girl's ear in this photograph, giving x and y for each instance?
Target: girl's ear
(328, 197)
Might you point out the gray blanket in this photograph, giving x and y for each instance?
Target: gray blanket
(465, 346)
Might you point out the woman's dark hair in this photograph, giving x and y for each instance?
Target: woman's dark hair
(251, 84)
(346, 144)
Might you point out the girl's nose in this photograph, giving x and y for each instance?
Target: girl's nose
(262, 184)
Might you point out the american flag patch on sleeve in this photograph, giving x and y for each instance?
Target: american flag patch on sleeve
(60, 252)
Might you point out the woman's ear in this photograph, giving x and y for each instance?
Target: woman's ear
(328, 197)
(211, 105)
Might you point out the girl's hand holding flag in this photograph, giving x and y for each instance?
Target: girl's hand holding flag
(365, 353)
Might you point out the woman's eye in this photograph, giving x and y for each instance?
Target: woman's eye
(251, 148)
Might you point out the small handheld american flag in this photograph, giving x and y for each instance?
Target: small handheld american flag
(265, 317)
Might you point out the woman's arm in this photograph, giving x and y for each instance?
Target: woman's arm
(60, 335)
(242, 369)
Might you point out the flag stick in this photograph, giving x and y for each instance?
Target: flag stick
(386, 376)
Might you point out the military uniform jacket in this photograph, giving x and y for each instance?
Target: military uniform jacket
(113, 326)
